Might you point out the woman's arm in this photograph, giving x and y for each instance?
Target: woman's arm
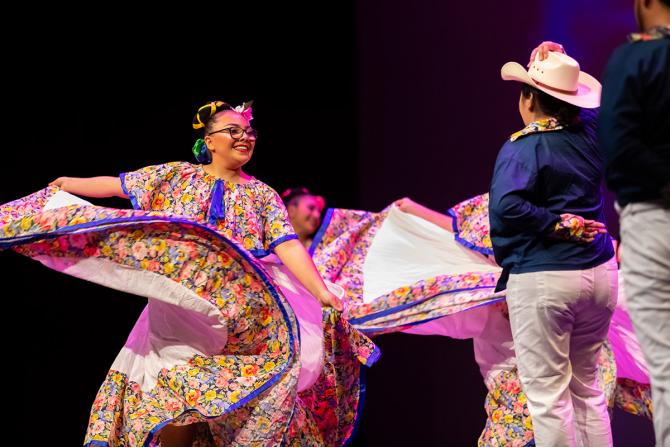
(91, 186)
(409, 206)
(297, 260)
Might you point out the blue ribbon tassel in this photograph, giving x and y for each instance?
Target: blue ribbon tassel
(217, 208)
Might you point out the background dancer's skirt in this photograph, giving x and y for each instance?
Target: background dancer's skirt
(402, 273)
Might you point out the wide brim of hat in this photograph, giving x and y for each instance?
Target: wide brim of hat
(586, 96)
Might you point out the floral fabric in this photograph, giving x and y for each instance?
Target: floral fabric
(436, 299)
(246, 394)
(251, 214)
(471, 223)
(543, 125)
(508, 420)
(634, 397)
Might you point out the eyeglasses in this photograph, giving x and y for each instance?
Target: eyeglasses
(236, 133)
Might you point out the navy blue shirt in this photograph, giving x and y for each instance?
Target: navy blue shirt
(537, 178)
(634, 123)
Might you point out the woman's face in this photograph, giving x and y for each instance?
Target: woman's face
(305, 214)
(233, 150)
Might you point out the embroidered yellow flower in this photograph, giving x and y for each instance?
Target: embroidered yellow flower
(249, 242)
(107, 250)
(235, 396)
(9, 231)
(192, 397)
(528, 423)
(26, 223)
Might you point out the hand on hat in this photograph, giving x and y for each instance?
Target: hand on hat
(543, 49)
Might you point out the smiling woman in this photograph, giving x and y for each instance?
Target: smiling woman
(232, 336)
(228, 140)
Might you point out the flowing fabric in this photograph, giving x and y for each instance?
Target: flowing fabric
(225, 339)
(402, 273)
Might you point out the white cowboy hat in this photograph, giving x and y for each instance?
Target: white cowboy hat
(559, 76)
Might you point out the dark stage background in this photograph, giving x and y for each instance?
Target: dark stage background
(364, 102)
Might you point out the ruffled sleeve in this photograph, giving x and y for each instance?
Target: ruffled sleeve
(144, 187)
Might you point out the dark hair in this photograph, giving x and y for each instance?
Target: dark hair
(565, 113)
(209, 126)
(665, 2)
(204, 117)
(290, 194)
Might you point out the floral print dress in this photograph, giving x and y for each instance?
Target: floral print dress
(251, 214)
(218, 342)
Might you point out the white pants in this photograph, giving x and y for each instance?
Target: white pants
(559, 321)
(645, 233)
